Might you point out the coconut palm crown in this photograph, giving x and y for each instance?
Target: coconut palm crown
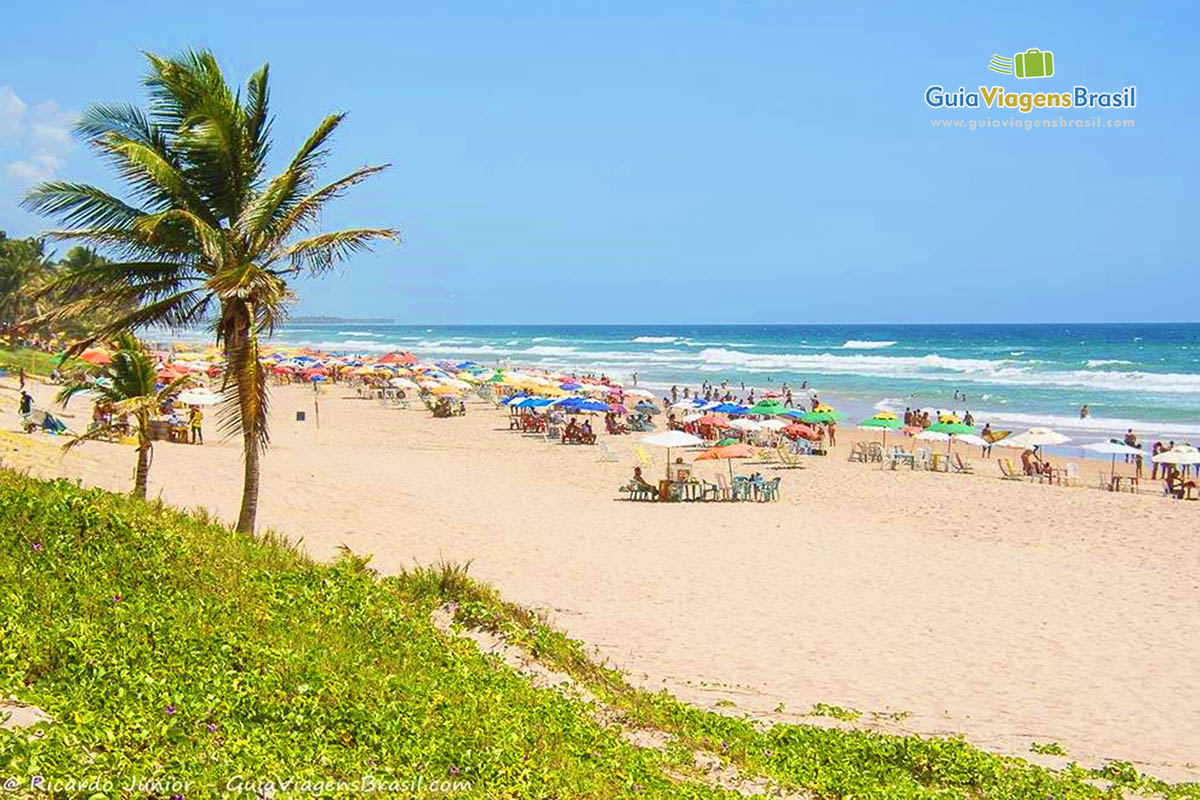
(200, 233)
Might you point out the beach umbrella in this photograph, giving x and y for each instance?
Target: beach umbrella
(199, 397)
(1179, 455)
(405, 359)
(587, 405)
(773, 424)
(951, 427)
(798, 431)
(1114, 449)
(728, 440)
(745, 425)
(639, 393)
(402, 383)
(885, 421)
(730, 408)
(728, 453)
(821, 416)
(695, 416)
(971, 439)
(714, 421)
(669, 439)
(1034, 437)
(97, 356)
(646, 408)
(767, 408)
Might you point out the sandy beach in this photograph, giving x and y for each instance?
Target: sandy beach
(1010, 613)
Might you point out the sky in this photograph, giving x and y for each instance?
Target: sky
(724, 162)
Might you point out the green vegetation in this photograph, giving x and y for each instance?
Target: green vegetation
(165, 646)
(34, 362)
(27, 273)
(1047, 749)
(834, 712)
(201, 229)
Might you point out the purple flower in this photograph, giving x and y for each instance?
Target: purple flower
(170, 710)
(454, 771)
(37, 547)
(212, 727)
(116, 598)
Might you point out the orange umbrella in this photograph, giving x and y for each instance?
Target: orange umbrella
(96, 355)
(729, 452)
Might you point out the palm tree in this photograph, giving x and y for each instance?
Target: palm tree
(24, 268)
(201, 229)
(126, 386)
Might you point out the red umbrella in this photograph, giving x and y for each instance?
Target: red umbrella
(713, 421)
(407, 359)
(798, 431)
(617, 408)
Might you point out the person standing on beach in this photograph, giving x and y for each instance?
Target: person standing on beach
(1084, 412)
(1131, 440)
(195, 418)
(635, 379)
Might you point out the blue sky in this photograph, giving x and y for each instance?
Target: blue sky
(691, 162)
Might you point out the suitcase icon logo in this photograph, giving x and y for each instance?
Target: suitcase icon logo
(1033, 63)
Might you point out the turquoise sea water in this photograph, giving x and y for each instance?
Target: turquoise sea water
(1015, 376)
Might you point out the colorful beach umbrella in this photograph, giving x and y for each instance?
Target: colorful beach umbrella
(728, 453)
(97, 356)
(767, 408)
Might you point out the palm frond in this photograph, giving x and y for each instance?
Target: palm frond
(324, 251)
(80, 204)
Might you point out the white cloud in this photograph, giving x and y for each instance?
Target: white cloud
(12, 109)
(34, 142)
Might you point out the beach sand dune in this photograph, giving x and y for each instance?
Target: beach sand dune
(1007, 612)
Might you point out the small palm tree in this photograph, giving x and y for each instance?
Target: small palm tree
(127, 386)
(202, 233)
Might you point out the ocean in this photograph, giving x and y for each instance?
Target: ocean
(1140, 376)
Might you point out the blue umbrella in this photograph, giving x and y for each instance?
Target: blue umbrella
(730, 408)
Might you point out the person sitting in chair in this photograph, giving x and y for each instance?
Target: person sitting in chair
(1176, 486)
(638, 483)
(585, 433)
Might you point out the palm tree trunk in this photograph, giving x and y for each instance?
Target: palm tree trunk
(141, 476)
(242, 351)
(249, 510)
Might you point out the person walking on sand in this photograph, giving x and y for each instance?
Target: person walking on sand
(21, 379)
(986, 435)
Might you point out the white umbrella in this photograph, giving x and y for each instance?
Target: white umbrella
(745, 425)
(932, 436)
(773, 424)
(1034, 437)
(1179, 454)
(669, 439)
(971, 439)
(640, 393)
(672, 439)
(199, 397)
(402, 383)
(695, 415)
(1113, 449)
